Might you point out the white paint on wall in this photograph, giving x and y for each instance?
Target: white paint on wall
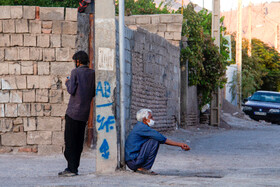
(231, 96)
(106, 59)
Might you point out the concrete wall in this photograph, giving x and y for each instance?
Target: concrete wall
(231, 95)
(35, 59)
(188, 100)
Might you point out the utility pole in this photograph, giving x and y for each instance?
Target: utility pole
(91, 52)
(203, 3)
(216, 96)
(239, 53)
(106, 83)
(250, 30)
(276, 37)
(122, 81)
(182, 9)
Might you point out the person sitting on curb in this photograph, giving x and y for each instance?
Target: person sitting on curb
(142, 144)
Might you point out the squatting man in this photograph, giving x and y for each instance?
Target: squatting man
(142, 144)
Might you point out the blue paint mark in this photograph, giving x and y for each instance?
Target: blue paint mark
(107, 89)
(99, 89)
(106, 124)
(104, 149)
(104, 105)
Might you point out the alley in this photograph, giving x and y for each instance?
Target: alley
(247, 154)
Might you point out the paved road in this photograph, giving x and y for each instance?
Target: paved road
(246, 155)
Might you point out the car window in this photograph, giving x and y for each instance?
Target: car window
(266, 97)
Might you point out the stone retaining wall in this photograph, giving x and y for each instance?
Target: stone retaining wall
(35, 59)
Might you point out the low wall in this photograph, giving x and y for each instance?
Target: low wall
(35, 59)
(168, 26)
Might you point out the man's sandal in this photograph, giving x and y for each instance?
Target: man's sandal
(146, 172)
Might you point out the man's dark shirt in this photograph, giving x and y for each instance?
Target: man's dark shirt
(137, 137)
(81, 86)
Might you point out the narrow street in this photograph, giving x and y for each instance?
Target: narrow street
(247, 154)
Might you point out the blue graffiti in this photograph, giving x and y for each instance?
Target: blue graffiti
(107, 89)
(104, 149)
(104, 105)
(105, 124)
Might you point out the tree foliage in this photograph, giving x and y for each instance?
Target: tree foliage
(141, 7)
(206, 66)
(268, 58)
(261, 71)
(42, 3)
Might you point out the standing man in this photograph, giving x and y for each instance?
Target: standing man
(81, 87)
(142, 144)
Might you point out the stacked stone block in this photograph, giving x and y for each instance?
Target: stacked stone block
(35, 59)
(155, 79)
(168, 26)
(151, 78)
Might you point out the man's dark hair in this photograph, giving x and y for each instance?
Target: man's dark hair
(82, 57)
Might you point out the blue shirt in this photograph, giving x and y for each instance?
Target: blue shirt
(81, 86)
(137, 137)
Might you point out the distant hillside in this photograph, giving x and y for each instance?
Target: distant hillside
(265, 18)
(176, 4)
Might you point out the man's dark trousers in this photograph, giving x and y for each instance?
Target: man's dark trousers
(146, 157)
(74, 139)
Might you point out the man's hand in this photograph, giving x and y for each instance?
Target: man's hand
(182, 145)
(185, 147)
(67, 79)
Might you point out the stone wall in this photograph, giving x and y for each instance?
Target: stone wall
(155, 79)
(168, 26)
(155, 67)
(36, 48)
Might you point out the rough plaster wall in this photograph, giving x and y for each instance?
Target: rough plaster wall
(36, 57)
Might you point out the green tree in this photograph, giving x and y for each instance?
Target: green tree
(141, 7)
(261, 71)
(269, 58)
(206, 66)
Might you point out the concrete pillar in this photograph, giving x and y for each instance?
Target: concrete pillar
(105, 67)
(215, 117)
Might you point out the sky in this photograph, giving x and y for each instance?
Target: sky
(227, 5)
